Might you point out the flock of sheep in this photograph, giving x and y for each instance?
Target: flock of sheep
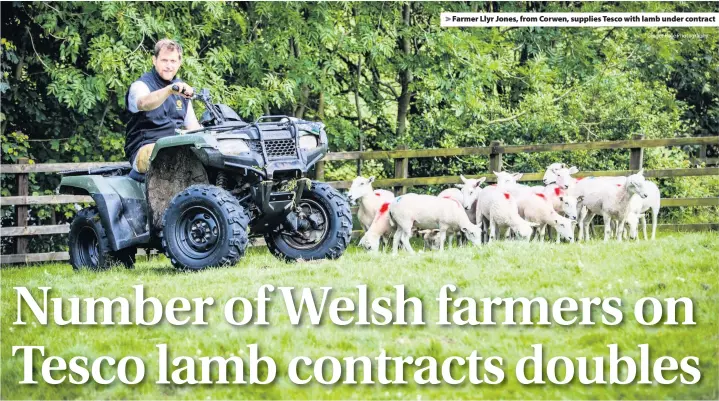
(479, 214)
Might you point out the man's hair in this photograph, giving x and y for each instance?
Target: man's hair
(168, 44)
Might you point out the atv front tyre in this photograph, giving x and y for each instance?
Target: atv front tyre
(89, 246)
(329, 235)
(204, 226)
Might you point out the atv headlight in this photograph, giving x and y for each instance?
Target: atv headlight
(233, 147)
(308, 142)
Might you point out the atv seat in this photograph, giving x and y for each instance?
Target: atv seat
(108, 171)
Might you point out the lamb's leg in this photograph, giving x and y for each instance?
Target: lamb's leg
(607, 226)
(655, 214)
(580, 222)
(397, 238)
(588, 218)
(620, 229)
(542, 230)
(406, 235)
(442, 238)
(492, 228)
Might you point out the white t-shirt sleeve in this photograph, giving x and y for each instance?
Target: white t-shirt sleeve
(190, 117)
(137, 90)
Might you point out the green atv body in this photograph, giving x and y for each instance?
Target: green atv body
(207, 191)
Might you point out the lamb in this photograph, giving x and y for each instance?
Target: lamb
(369, 200)
(431, 239)
(652, 201)
(470, 188)
(579, 187)
(612, 201)
(429, 212)
(536, 208)
(498, 209)
(456, 195)
(378, 230)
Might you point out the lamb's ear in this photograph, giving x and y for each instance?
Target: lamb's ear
(459, 185)
(371, 179)
(464, 180)
(465, 230)
(563, 165)
(423, 232)
(480, 181)
(573, 170)
(517, 176)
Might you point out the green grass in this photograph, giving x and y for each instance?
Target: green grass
(673, 266)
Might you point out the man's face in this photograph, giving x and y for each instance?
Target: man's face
(167, 63)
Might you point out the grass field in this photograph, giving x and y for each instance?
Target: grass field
(674, 265)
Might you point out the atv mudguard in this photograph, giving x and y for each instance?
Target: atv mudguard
(121, 203)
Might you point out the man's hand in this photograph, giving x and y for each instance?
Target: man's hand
(183, 90)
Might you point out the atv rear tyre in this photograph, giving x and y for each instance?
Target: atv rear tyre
(329, 240)
(89, 246)
(204, 226)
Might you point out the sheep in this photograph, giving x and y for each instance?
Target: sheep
(426, 211)
(470, 192)
(498, 209)
(369, 200)
(431, 239)
(612, 201)
(579, 187)
(456, 195)
(378, 230)
(652, 201)
(536, 208)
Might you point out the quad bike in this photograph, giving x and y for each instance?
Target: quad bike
(208, 191)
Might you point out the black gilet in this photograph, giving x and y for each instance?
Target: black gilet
(146, 127)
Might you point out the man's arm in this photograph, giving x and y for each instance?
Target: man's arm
(153, 100)
(191, 122)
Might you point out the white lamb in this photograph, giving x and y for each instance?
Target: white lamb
(368, 200)
(457, 196)
(378, 230)
(498, 209)
(535, 208)
(470, 192)
(429, 212)
(612, 201)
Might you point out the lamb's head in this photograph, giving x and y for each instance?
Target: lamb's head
(360, 187)
(525, 229)
(569, 205)
(633, 222)
(504, 178)
(370, 242)
(565, 227)
(550, 176)
(473, 233)
(431, 238)
(635, 184)
(470, 190)
(564, 177)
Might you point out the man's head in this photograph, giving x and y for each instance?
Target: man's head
(167, 58)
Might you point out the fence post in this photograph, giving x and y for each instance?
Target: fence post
(495, 156)
(401, 170)
(320, 171)
(636, 157)
(21, 211)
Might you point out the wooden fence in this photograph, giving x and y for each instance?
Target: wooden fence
(401, 181)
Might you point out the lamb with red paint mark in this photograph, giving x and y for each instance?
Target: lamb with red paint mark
(369, 200)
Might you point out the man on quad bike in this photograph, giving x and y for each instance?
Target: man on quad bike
(199, 196)
(156, 108)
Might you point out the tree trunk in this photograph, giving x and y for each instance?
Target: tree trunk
(359, 111)
(405, 78)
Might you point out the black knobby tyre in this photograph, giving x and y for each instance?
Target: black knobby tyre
(204, 226)
(89, 246)
(334, 237)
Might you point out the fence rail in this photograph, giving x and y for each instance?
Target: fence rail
(401, 181)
